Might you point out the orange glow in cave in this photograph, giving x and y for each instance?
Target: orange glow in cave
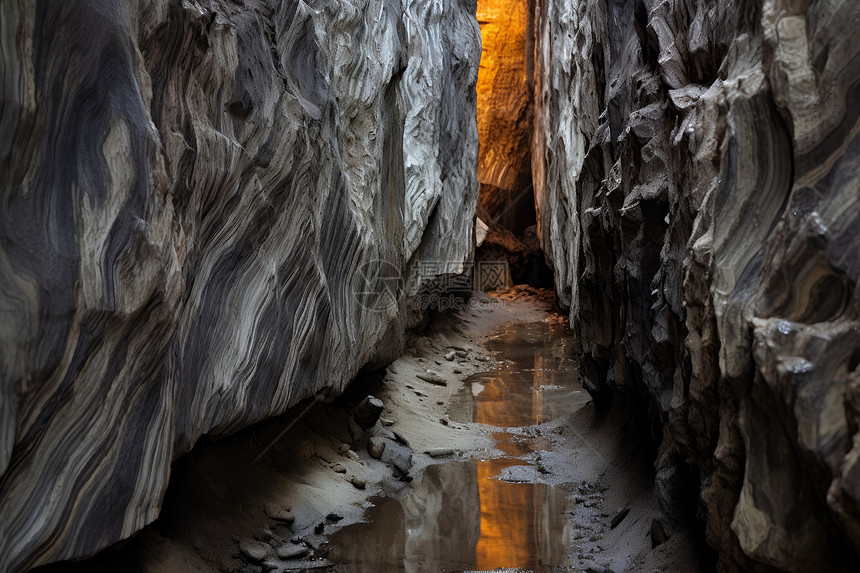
(508, 534)
(504, 103)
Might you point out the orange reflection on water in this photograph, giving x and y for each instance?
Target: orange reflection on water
(458, 516)
(507, 533)
(507, 510)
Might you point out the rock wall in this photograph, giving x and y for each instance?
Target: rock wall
(505, 90)
(697, 166)
(194, 195)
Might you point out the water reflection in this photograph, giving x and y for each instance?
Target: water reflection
(435, 528)
(459, 515)
(522, 525)
(539, 384)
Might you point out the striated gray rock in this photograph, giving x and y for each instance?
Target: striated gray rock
(697, 167)
(196, 195)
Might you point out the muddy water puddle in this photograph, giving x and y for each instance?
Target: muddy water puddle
(489, 513)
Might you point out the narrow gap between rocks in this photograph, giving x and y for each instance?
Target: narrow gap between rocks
(477, 449)
(507, 218)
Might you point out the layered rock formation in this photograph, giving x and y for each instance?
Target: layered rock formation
(697, 167)
(505, 91)
(195, 198)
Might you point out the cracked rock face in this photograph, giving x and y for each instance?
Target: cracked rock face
(194, 194)
(697, 167)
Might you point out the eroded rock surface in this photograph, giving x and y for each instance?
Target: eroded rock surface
(194, 194)
(505, 91)
(697, 167)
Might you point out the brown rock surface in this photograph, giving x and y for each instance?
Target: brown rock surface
(505, 90)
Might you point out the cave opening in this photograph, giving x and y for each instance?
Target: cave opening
(505, 90)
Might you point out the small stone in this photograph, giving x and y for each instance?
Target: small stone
(358, 482)
(320, 527)
(291, 551)
(279, 512)
(339, 468)
(254, 550)
(450, 356)
(619, 517)
(355, 457)
(343, 448)
(457, 371)
(333, 517)
(398, 456)
(439, 452)
(444, 420)
(263, 535)
(462, 353)
(433, 377)
(367, 412)
(386, 422)
(375, 447)
(440, 403)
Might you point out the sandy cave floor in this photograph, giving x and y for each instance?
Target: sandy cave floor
(274, 496)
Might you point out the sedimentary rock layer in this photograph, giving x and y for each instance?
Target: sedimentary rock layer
(195, 195)
(697, 167)
(505, 92)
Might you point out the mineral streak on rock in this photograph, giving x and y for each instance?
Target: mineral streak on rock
(191, 191)
(696, 168)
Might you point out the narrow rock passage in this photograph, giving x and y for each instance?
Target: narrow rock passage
(487, 454)
(557, 490)
(497, 510)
